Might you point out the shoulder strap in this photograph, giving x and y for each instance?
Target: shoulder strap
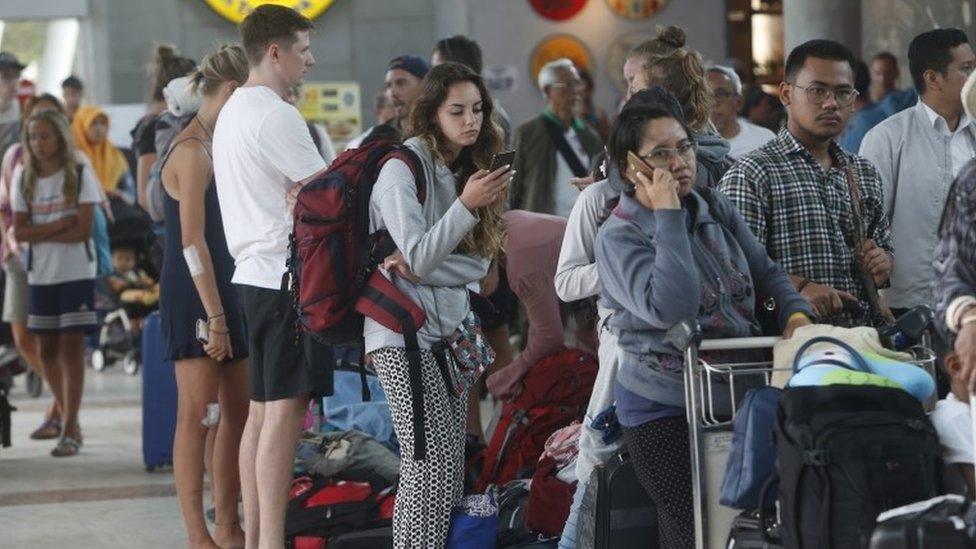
(559, 140)
(416, 165)
(315, 137)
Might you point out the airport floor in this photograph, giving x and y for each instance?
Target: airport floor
(103, 497)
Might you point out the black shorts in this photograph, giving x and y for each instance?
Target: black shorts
(495, 310)
(285, 362)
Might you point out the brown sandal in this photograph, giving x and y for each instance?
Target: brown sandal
(50, 429)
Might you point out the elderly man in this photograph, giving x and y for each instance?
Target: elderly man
(743, 136)
(554, 147)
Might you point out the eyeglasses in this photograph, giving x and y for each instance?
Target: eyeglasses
(818, 95)
(724, 95)
(661, 158)
(575, 85)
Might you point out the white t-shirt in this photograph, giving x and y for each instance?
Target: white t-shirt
(261, 149)
(749, 138)
(58, 262)
(566, 193)
(955, 428)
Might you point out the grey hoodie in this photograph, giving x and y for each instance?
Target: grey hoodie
(658, 268)
(427, 236)
(712, 157)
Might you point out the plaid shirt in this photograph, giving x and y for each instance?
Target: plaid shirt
(802, 214)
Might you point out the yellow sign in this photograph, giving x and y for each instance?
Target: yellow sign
(236, 10)
(335, 104)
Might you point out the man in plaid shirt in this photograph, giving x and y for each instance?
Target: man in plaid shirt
(794, 192)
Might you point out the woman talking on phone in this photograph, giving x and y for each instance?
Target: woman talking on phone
(201, 318)
(445, 246)
(668, 253)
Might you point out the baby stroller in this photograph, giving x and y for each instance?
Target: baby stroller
(120, 334)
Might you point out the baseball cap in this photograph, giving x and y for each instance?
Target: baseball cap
(9, 62)
(410, 63)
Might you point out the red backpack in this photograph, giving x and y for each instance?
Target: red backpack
(321, 508)
(333, 258)
(333, 253)
(556, 391)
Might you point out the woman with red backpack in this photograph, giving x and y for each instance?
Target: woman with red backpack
(445, 246)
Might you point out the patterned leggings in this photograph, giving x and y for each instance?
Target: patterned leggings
(662, 460)
(431, 487)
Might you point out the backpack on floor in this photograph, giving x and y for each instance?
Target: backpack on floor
(556, 391)
(549, 500)
(513, 502)
(331, 270)
(322, 507)
(845, 453)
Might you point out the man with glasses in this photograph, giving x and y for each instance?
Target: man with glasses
(10, 69)
(554, 147)
(918, 152)
(801, 193)
(743, 136)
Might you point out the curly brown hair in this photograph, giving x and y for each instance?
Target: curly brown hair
(487, 237)
(679, 70)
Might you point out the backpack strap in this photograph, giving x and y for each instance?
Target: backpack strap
(414, 365)
(79, 168)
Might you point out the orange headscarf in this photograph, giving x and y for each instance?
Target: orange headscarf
(108, 161)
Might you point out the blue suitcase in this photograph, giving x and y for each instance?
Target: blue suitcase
(158, 398)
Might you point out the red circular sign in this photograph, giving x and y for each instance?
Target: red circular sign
(557, 10)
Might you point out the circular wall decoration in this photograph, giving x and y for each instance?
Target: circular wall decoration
(557, 10)
(636, 9)
(617, 56)
(236, 10)
(555, 47)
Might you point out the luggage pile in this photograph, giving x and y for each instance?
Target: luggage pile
(828, 460)
(344, 494)
(531, 457)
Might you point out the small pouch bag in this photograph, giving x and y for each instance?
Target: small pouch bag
(464, 355)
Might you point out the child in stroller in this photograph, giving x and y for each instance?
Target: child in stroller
(129, 294)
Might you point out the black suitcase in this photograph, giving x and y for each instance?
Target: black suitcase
(623, 515)
(374, 538)
(747, 534)
(944, 522)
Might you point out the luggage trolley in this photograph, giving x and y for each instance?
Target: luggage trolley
(710, 429)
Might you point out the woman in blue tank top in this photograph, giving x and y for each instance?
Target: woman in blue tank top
(195, 288)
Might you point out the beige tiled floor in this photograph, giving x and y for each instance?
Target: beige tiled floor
(101, 498)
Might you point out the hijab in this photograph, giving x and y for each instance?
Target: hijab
(107, 161)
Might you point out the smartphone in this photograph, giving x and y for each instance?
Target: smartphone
(501, 159)
(203, 331)
(635, 162)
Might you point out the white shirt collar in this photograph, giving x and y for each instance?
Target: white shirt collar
(940, 124)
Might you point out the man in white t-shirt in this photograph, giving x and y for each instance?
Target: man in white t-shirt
(263, 154)
(743, 136)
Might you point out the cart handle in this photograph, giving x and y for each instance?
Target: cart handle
(738, 343)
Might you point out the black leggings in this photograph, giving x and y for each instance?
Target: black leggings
(662, 460)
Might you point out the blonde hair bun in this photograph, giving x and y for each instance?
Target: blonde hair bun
(672, 36)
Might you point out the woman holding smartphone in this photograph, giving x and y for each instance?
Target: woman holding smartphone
(668, 253)
(445, 246)
(202, 322)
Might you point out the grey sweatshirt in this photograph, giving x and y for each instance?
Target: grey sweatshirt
(427, 236)
(661, 267)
